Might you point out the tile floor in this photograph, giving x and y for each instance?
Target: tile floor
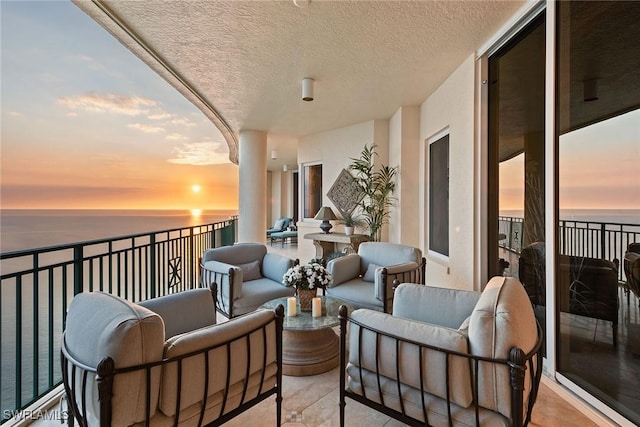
(313, 402)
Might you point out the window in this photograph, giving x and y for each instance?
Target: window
(439, 196)
(312, 189)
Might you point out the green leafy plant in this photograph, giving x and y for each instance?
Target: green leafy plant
(351, 220)
(376, 188)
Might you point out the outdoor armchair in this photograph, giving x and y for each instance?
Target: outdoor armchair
(366, 279)
(445, 357)
(166, 361)
(586, 286)
(245, 275)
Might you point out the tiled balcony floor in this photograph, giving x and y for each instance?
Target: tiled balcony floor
(313, 402)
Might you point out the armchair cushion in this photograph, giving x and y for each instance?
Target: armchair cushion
(503, 318)
(370, 274)
(257, 292)
(239, 253)
(274, 267)
(184, 311)
(223, 286)
(101, 325)
(193, 367)
(343, 269)
(392, 269)
(434, 364)
(430, 304)
(250, 270)
(357, 293)
(383, 253)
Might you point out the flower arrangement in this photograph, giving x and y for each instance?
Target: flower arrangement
(307, 277)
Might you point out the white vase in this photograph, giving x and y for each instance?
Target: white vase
(348, 230)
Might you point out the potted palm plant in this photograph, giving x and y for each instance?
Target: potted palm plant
(376, 187)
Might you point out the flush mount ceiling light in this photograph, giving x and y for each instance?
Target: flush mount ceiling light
(302, 3)
(307, 89)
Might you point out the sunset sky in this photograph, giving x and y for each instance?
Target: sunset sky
(86, 124)
(599, 168)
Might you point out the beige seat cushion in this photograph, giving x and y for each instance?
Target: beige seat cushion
(237, 354)
(437, 413)
(101, 325)
(362, 352)
(502, 319)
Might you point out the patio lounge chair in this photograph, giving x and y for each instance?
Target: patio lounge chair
(280, 225)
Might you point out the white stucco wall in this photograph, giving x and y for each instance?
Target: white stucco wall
(452, 106)
(404, 146)
(334, 149)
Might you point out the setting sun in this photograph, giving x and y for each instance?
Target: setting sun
(195, 188)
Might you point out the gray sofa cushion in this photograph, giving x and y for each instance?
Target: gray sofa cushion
(101, 325)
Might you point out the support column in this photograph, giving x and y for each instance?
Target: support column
(533, 188)
(252, 212)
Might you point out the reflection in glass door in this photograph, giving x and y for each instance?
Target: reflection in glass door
(598, 143)
(516, 149)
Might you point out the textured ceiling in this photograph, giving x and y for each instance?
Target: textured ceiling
(242, 62)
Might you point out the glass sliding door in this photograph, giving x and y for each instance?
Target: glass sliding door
(598, 179)
(516, 151)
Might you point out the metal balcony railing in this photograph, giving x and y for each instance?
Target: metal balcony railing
(37, 286)
(578, 238)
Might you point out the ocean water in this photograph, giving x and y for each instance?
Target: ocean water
(31, 229)
(611, 216)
